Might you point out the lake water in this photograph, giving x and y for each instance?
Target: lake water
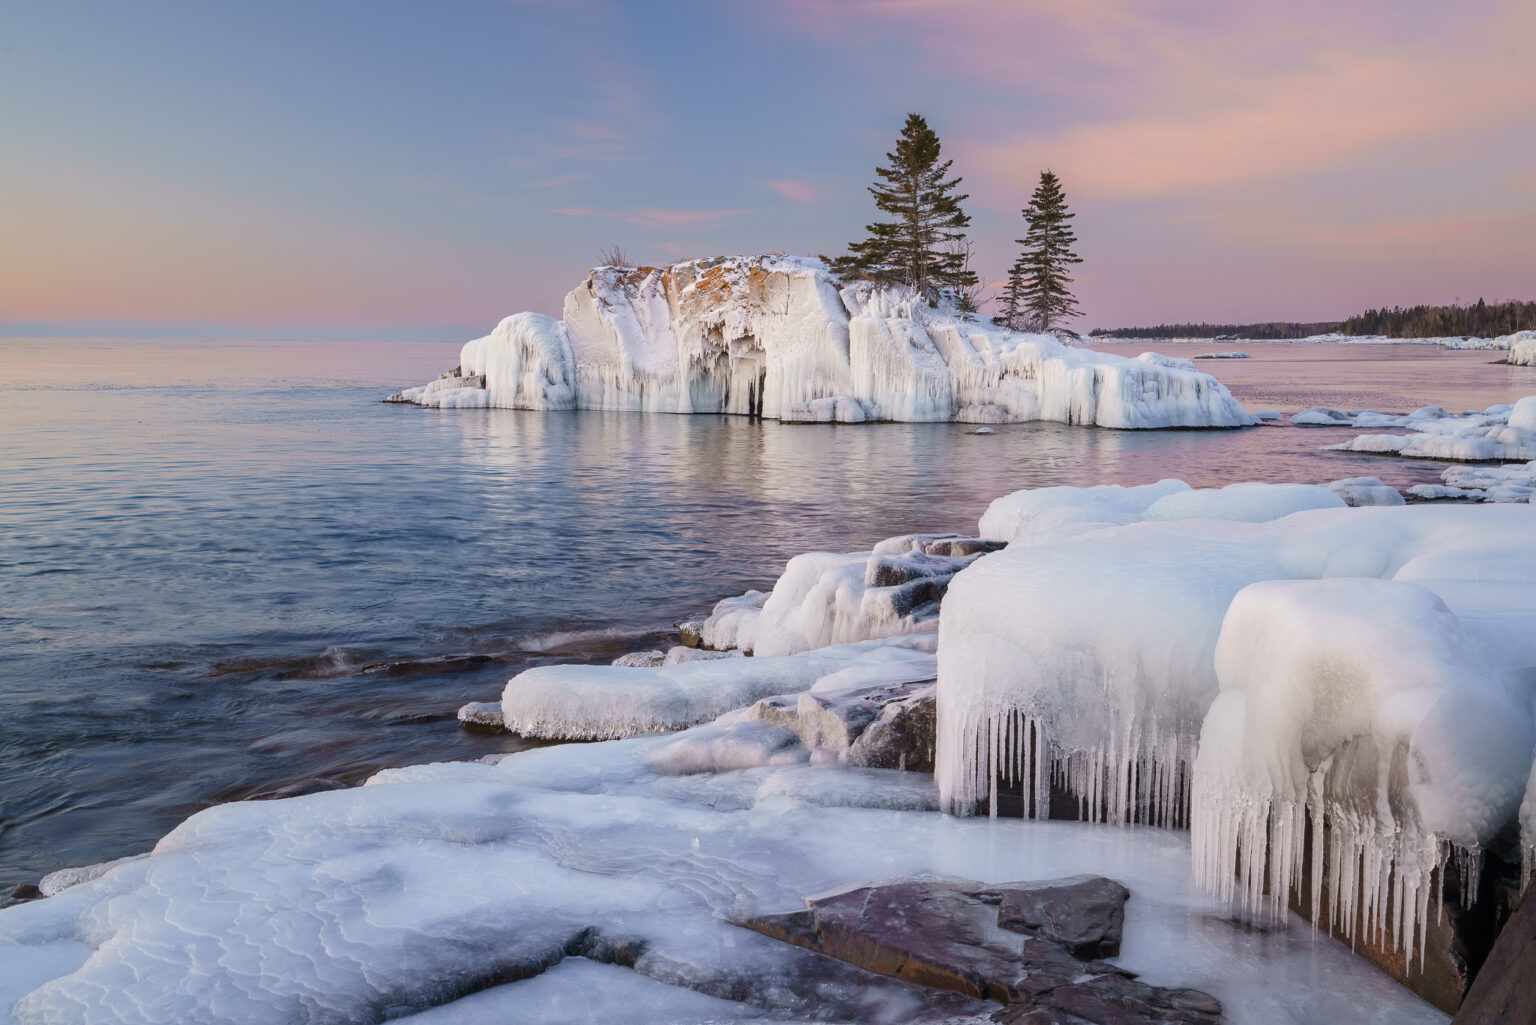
(228, 567)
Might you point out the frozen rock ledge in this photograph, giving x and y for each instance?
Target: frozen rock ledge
(781, 337)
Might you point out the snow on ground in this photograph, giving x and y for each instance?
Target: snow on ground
(1089, 656)
(1499, 433)
(776, 336)
(431, 888)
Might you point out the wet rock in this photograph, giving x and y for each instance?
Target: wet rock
(691, 633)
(889, 726)
(1085, 914)
(1504, 991)
(946, 934)
(26, 891)
(901, 736)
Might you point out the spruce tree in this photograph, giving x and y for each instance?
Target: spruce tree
(918, 248)
(1047, 255)
(1011, 303)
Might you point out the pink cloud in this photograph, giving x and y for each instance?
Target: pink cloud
(653, 217)
(793, 190)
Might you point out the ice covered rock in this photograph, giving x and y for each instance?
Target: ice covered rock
(776, 336)
(1500, 432)
(62, 879)
(825, 598)
(679, 653)
(1267, 414)
(1363, 717)
(576, 702)
(1358, 491)
(640, 659)
(1040, 511)
(1086, 661)
(1522, 350)
(1321, 416)
(484, 714)
(1249, 502)
(726, 746)
(1222, 355)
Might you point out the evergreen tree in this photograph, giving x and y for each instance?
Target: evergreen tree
(1011, 303)
(918, 248)
(1047, 255)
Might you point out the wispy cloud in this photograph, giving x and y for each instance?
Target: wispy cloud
(654, 217)
(557, 181)
(793, 190)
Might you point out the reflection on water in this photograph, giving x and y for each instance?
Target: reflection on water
(268, 575)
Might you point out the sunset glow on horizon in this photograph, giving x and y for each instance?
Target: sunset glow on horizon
(401, 164)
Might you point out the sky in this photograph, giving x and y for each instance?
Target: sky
(412, 168)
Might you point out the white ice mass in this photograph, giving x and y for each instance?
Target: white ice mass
(776, 336)
(1088, 657)
(1499, 433)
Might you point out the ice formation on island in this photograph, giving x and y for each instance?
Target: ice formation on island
(1522, 342)
(776, 336)
(1084, 659)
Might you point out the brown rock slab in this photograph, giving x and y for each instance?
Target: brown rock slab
(1504, 992)
(946, 934)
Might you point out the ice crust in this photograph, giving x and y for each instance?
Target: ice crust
(427, 890)
(1085, 658)
(775, 336)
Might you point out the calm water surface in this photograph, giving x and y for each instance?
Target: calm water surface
(228, 567)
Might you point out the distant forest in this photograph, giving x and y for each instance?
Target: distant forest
(1277, 329)
(1480, 320)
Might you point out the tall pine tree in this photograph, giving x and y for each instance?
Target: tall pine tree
(919, 247)
(1042, 266)
(1011, 312)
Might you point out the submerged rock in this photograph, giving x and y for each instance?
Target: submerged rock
(955, 935)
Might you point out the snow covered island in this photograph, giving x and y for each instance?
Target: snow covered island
(1247, 694)
(780, 337)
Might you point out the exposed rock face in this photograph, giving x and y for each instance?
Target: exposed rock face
(889, 726)
(958, 935)
(1505, 990)
(1085, 914)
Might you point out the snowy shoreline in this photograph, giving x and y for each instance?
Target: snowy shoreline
(1139, 697)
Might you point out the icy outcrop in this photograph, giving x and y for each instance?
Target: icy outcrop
(775, 336)
(825, 598)
(1358, 491)
(1502, 432)
(1513, 483)
(1367, 709)
(1522, 349)
(1086, 658)
(577, 702)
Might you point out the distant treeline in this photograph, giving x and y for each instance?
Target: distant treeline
(1278, 329)
(1480, 320)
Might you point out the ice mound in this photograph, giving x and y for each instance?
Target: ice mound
(1522, 350)
(1086, 661)
(776, 336)
(1358, 491)
(1504, 433)
(1513, 483)
(825, 598)
(579, 702)
(1366, 708)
